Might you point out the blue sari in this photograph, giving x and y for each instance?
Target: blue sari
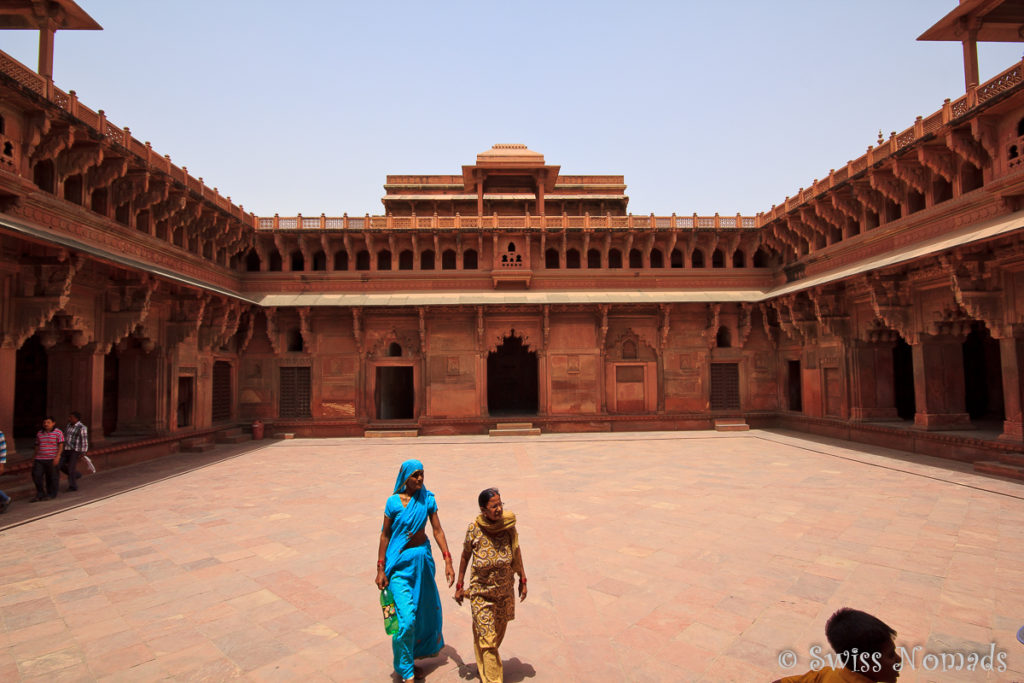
(410, 573)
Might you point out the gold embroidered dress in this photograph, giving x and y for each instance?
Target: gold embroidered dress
(491, 590)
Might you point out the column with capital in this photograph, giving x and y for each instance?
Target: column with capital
(939, 383)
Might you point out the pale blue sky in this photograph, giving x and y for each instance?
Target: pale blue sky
(703, 106)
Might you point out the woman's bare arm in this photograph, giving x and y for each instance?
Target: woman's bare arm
(382, 550)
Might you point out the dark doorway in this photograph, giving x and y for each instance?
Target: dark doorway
(794, 389)
(221, 391)
(186, 386)
(983, 379)
(396, 398)
(111, 382)
(31, 377)
(903, 380)
(725, 386)
(512, 378)
(294, 400)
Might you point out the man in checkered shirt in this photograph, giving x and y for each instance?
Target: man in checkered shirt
(76, 443)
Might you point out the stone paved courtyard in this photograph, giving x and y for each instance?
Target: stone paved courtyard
(651, 556)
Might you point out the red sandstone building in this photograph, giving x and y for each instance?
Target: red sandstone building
(884, 303)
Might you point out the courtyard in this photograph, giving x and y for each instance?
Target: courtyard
(655, 556)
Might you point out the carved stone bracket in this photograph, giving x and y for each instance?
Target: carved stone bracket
(666, 325)
(546, 329)
(357, 328)
(78, 159)
(45, 293)
(846, 203)
(766, 324)
(480, 326)
(710, 332)
(127, 309)
(53, 142)
(187, 319)
(888, 185)
(954, 322)
(273, 336)
(976, 291)
(912, 173)
(250, 327)
(966, 147)
(784, 314)
(890, 301)
(939, 160)
(869, 197)
(305, 327)
(830, 312)
(745, 324)
(603, 328)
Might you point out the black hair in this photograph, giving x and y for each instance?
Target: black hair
(485, 496)
(50, 418)
(75, 414)
(850, 629)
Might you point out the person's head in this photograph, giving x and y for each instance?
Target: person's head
(49, 423)
(414, 482)
(74, 416)
(410, 478)
(851, 631)
(490, 504)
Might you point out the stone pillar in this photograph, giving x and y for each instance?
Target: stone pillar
(1011, 354)
(939, 384)
(87, 389)
(8, 366)
(543, 384)
(142, 405)
(871, 382)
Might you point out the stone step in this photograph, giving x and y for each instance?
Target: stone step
(1011, 459)
(233, 438)
(196, 446)
(515, 429)
(731, 424)
(389, 433)
(514, 425)
(1001, 469)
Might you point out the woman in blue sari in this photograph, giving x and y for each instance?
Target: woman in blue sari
(406, 565)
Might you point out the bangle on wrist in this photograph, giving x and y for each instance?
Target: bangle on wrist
(458, 586)
(380, 565)
(446, 555)
(522, 579)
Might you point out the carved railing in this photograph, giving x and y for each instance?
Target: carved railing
(121, 137)
(493, 222)
(923, 127)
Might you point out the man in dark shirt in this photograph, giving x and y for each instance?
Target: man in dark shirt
(76, 443)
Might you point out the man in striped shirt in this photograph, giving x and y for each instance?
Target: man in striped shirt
(45, 475)
(76, 443)
(5, 500)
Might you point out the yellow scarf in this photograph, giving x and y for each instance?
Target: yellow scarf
(506, 523)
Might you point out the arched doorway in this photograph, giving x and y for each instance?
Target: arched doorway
(903, 379)
(512, 378)
(983, 379)
(31, 378)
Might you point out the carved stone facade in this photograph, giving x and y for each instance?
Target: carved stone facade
(890, 292)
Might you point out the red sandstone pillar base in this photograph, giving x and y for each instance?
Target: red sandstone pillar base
(934, 422)
(1010, 349)
(873, 414)
(1013, 432)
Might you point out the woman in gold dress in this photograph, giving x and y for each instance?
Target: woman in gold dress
(493, 545)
